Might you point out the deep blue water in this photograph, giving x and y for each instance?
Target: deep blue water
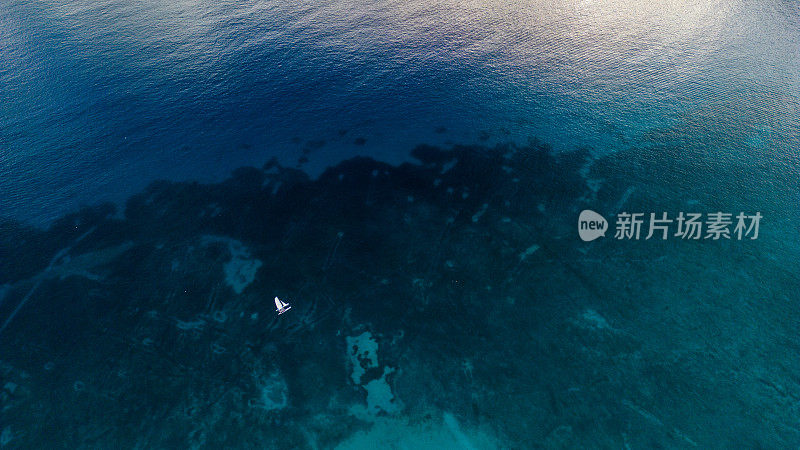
(442, 304)
(98, 98)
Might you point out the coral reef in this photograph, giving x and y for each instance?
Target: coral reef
(446, 302)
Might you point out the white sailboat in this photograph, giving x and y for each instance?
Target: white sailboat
(281, 306)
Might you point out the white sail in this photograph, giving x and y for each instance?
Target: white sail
(281, 306)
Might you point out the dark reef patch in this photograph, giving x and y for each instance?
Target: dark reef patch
(464, 268)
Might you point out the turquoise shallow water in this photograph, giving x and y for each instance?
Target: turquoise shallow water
(446, 303)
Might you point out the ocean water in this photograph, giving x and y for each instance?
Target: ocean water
(101, 98)
(409, 176)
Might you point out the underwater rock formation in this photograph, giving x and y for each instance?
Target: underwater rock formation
(483, 308)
